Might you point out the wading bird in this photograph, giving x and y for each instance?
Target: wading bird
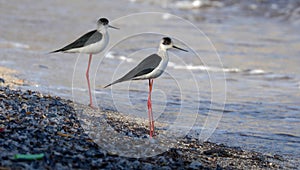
(150, 68)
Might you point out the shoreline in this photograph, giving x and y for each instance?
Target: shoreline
(9, 77)
(42, 124)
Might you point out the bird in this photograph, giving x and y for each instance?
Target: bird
(93, 42)
(148, 69)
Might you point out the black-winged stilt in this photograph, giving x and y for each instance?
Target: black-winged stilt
(150, 68)
(90, 43)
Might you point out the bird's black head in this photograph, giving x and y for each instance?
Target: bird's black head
(166, 41)
(103, 21)
(103, 24)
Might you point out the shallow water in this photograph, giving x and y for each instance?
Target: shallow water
(254, 75)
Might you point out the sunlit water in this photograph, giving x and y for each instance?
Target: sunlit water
(257, 72)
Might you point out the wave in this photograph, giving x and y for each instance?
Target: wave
(114, 55)
(187, 4)
(250, 72)
(202, 67)
(255, 71)
(11, 44)
(288, 9)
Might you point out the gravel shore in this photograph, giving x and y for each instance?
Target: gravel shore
(33, 123)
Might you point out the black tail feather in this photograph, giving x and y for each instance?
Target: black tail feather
(111, 84)
(115, 82)
(107, 85)
(59, 50)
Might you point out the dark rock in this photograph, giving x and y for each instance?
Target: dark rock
(218, 152)
(195, 165)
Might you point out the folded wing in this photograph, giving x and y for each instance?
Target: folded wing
(85, 40)
(144, 67)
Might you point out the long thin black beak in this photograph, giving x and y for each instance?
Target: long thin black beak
(180, 48)
(113, 27)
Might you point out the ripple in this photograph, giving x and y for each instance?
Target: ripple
(11, 44)
(287, 135)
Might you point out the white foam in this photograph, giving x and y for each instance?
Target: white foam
(197, 3)
(19, 45)
(110, 55)
(11, 44)
(113, 55)
(166, 16)
(188, 4)
(257, 71)
(171, 64)
(125, 59)
(203, 68)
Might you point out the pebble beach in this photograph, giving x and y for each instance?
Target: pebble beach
(35, 124)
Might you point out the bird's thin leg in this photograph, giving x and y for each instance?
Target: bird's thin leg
(151, 121)
(88, 80)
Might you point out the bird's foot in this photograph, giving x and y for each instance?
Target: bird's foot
(92, 106)
(151, 134)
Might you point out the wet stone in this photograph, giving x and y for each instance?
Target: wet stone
(135, 164)
(165, 168)
(97, 162)
(195, 165)
(147, 166)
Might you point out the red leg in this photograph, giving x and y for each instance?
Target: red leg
(88, 80)
(151, 121)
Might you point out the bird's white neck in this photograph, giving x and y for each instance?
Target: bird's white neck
(162, 52)
(102, 30)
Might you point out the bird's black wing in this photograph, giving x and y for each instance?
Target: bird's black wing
(87, 39)
(144, 67)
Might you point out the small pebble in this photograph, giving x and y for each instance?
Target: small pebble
(195, 165)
